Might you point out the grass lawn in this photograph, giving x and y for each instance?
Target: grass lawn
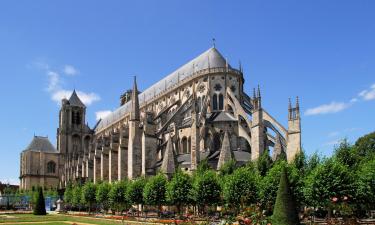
(52, 219)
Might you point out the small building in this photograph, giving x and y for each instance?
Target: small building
(39, 165)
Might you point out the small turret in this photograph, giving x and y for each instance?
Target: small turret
(294, 131)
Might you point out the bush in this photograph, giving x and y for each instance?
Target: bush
(285, 211)
(40, 206)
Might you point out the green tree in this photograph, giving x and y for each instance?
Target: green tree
(135, 191)
(345, 154)
(330, 181)
(264, 163)
(206, 190)
(240, 188)
(365, 146)
(39, 205)
(312, 162)
(154, 193)
(117, 196)
(88, 194)
(68, 194)
(228, 168)
(285, 211)
(179, 189)
(365, 184)
(77, 196)
(102, 196)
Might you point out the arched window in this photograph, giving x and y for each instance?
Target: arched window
(199, 104)
(214, 104)
(76, 143)
(221, 102)
(184, 143)
(51, 167)
(76, 118)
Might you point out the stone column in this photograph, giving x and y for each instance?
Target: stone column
(97, 166)
(104, 164)
(123, 155)
(113, 159)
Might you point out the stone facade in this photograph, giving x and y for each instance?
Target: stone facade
(198, 112)
(39, 165)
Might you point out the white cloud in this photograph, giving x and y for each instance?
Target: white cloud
(102, 114)
(86, 98)
(70, 70)
(368, 94)
(55, 84)
(13, 181)
(333, 133)
(53, 80)
(333, 107)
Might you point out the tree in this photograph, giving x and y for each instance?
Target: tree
(264, 163)
(154, 193)
(345, 154)
(101, 196)
(299, 162)
(285, 211)
(135, 191)
(39, 206)
(179, 189)
(228, 168)
(68, 194)
(88, 194)
(77, 196)
(365, 184)
(117, 196)
(312, 162)
(240, 188)
(206, 189)
(365, 146)
(330, 182)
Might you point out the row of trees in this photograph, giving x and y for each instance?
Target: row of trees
(344, 182)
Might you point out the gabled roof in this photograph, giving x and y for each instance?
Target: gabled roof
(75, 101)
(208, 59)
(41, 144)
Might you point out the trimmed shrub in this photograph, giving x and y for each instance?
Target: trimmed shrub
(40, 206)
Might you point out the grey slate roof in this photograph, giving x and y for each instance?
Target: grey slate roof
(209, 59)
(41, 144)
(75, 101)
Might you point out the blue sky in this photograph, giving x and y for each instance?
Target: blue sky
(322, 51)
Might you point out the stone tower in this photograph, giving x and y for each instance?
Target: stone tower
(257, 128)
(135, 136)
(70, 136)
(294, 131)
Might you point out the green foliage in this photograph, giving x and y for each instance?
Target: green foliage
(68, 194)
(285, 211)
(330, 180)
(155, 190)
(240, 188)
(206, 189)
(264, 163)
(312, 162)
(88, 194)
(39, 205)
(102, 194)
(179, 189)
(345, 154)
(228, 168)
(77, 195)
(365, 146)
(365, 184)
(300, 163)
(135, 191)
(202, 167)
(117, 196)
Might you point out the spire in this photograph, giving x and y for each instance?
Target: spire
(74, 100)
(254, 94)
(297, 102)
(225, 152)
(134, 114)
(168, 165)
(259, 91)
(240, 66)
(290, 105)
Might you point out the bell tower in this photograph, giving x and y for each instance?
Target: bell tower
(294, 131)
